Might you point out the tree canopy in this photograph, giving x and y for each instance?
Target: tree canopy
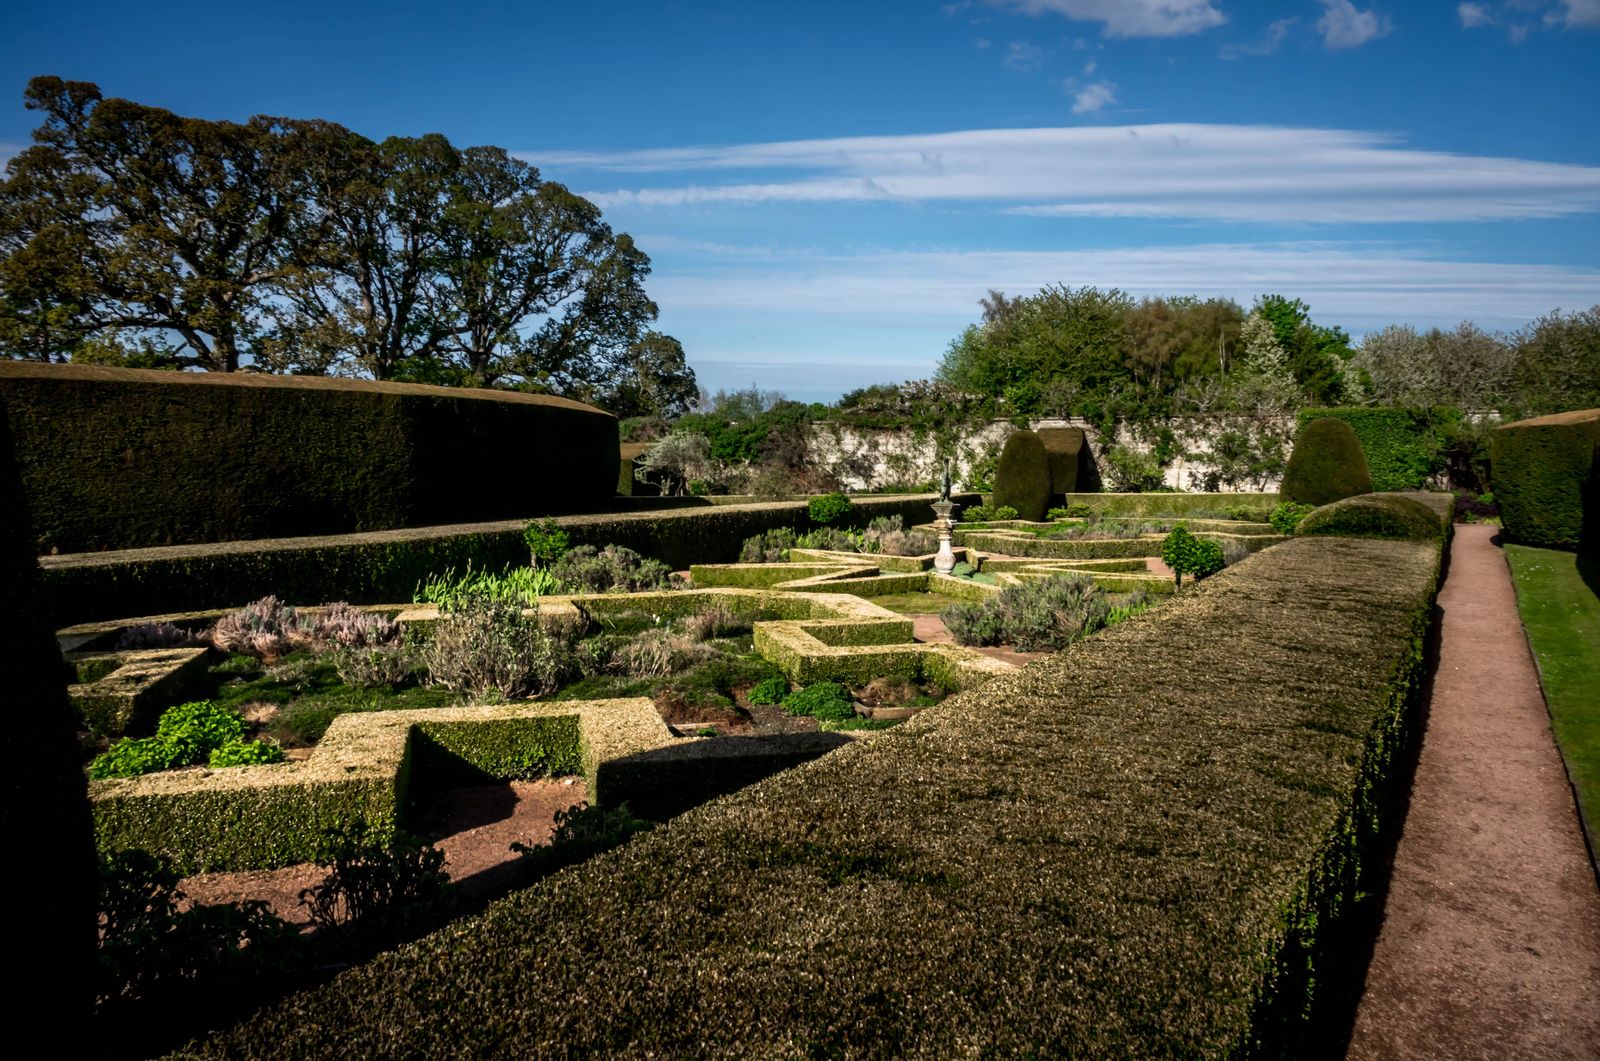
(133, 235)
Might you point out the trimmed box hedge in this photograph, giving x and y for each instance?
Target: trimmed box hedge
(1546, 476)
(1326, 465)
(1404, 447)
(1415, 516)
(1156, 843)
(1022, 475)
(130, 698)
(1175, 505)
(116, 458)
(385, 566)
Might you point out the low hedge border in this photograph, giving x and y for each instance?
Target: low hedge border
(388, 565)
(1028, 546)
(1176, 506)
(129, 699)
(1417, 516)
(1156, 843)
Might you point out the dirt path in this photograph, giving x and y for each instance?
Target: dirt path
(1490, 945)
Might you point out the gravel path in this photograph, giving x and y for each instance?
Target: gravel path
(1490, 943)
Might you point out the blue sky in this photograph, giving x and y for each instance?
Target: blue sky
(827, 189)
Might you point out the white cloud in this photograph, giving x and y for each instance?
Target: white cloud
(1270, 41)
(1475, 15)
(1089, 68)
(1584, 13)
(981, 43)
(1023, 57)
(1343, 25)
(1361, 284)
(1226, 172)
(1091, 98)
(1128, 18)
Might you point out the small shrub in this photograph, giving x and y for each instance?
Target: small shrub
(716, 621)
(769, 692)
(1059, 512)
(347, 626)
(376, 890)
(200, 724)
(614, 569)
(1287, 516)
(264, 628)
(245, 753)
(1040, 615)
(829, 508)
(1208, 558)
(546, 541)
(824, 701)
(973, 624)
(157, 635)
(768, 547)
(132, 756)
(989, 514)
(831, 539)
(659, 653)
(888, 535)
(1131, 471)
(488, 646)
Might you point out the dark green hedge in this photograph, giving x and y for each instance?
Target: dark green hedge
(1404, 447)
(1546, 475)
(126, 458)
(386, 566)
(1157, 843)
(1067, 450)
(1327, 465)
(1022, 476)
(1418, 517)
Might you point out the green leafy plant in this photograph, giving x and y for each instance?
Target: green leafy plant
(832, 539)
(377, 888)
(768, 547)
(824, 701)
(1187, 555)
(200, 723)
(546, 541)
(522, 585)
(989, 514)
(185, 735)
(245, 753)
(614, 569)
(768, 692)
(829, 508)
(1287, 516)
(132, 756)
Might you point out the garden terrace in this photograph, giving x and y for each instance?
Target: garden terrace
(1150, 844)
(388, 565)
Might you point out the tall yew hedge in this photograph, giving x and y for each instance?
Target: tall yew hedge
(1404, 447)
(1546, 476)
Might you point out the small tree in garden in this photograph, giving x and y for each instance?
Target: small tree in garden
(1186, 554)
(546, 541)
(829, 508)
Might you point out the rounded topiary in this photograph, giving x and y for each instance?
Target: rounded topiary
(1022, 476)
(1327, 465)
(1375, 516)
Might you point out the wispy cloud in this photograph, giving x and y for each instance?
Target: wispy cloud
(1343, 25)
(1226, 172)
(1522, 17)
(1475, 15)
(1270, 41)
(1128, 18)
(1574, 14)
(1362, 283)
(1092, 97)
(1023, 57)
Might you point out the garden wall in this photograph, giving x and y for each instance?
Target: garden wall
(126, 458)
(1152, 844)
(386, 566)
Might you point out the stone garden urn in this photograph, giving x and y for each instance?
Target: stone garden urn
(944, 561)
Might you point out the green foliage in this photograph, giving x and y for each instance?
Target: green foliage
(201, 723)
(1404, 448)
(1547, 481)
(245, 753)
(1327, 464)
(989, 514)
(613, 569)
(1022, 478)
(1417, 517)
(832, 539)
(823, 701)
(768, 547)
(132, 756)
(379, 886)
(1187, 555)
(546, 540)
(1287, 516)
(829, 508)
(1131, 471)
(185, 735)
(519, 585)
(770, 691)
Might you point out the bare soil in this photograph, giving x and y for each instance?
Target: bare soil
(931, 630)
(1490, 940)
(474, 827)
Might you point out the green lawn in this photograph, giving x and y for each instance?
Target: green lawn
(1556, 594)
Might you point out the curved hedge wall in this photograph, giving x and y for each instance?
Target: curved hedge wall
(1546, 477)
(126, 458)
(1022, 476)
(1404, 447)
(1327, 465)
(1414, 517)
(1112, 852)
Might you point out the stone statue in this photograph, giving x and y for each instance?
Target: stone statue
(944, 486)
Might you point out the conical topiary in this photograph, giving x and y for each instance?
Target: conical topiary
(1022, 477)
(1327, 465)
